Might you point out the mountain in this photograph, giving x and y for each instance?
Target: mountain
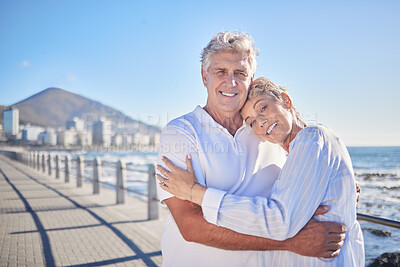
(1, 113)
(53, 107)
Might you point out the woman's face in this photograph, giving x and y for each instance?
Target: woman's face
(270, 120)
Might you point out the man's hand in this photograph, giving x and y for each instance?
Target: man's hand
(319, 239)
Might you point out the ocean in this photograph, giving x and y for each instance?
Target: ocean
(378, 171)
(376, 168)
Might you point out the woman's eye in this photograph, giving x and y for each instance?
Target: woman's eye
(264, 108)
(252, 123)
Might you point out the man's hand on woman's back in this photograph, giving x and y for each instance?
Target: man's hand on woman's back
(319, 239)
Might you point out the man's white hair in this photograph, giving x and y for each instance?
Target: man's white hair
(234, 42)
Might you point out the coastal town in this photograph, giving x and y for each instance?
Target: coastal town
(87, 133)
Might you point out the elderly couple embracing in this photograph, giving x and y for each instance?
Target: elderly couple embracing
(276, 192)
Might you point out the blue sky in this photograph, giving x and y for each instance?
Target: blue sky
(340, 60)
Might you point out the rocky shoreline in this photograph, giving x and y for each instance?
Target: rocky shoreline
(387, 260)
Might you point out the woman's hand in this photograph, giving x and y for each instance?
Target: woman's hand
(179, 182)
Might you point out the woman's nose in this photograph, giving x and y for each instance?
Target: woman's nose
(262, 122)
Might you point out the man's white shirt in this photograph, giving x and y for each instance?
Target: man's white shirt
(239, 164)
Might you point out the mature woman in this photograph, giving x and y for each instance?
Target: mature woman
(318, 171)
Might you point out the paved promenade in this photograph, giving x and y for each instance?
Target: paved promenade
(46, 222)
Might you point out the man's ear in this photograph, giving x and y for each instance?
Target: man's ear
(287, 100)
(204, 77)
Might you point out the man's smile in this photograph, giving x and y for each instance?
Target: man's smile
(227, 94)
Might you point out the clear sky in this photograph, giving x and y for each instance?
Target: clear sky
(340, 60)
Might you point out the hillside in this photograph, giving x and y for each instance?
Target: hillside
(53, 107)
(1, 113)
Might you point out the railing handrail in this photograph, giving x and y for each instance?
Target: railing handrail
(40, 160)
(43, 161)
(378, 220)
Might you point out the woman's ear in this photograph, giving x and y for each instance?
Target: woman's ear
(287, 101)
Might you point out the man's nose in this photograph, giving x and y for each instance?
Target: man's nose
(231, 80)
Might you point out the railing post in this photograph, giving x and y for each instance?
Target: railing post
(30, 158)
(34, 160)
(44, 162)
(152, 206)
(50, 164)
(121, 177)
(38, 161)
(80, 171)
(58, 163)
(96, 175)
(67, 167)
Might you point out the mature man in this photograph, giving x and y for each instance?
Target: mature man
(227, 155)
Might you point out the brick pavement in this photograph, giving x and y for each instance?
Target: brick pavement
(46, 222)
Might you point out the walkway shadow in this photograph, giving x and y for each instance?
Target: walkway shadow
(48, 255)
(139, 253)
(114, 261)
(77, 227)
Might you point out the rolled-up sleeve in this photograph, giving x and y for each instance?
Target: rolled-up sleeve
(210, 205)
(175, 143)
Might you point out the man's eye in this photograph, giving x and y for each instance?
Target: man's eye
(242, 74)
(264, 108)
(252, 124)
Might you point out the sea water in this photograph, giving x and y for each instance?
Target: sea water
(378, 171)
(376, 168)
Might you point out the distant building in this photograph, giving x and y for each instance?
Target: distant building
(119, 139)
(50, 137)
(141, 140)
(155, 140)
(102, 132)
(11, 121)
(76, 123)
(85, 138)
(31, 133)
(67, 137)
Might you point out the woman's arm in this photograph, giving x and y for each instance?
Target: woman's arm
(316, 239)
(296, 195)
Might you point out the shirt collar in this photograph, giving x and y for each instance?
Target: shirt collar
(205, 119)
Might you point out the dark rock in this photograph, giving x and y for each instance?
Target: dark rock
(393, 187)
(387, 260)
(378, 232)
(368, 178)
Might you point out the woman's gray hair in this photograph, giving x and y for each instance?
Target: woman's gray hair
(234, 42)
(264, 86)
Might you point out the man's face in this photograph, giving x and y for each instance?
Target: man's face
(227, 81)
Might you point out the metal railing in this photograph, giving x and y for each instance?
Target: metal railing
(40, 161)
(378, 220)
(47, 163)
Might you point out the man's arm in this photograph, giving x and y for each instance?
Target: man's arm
(317, 239)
